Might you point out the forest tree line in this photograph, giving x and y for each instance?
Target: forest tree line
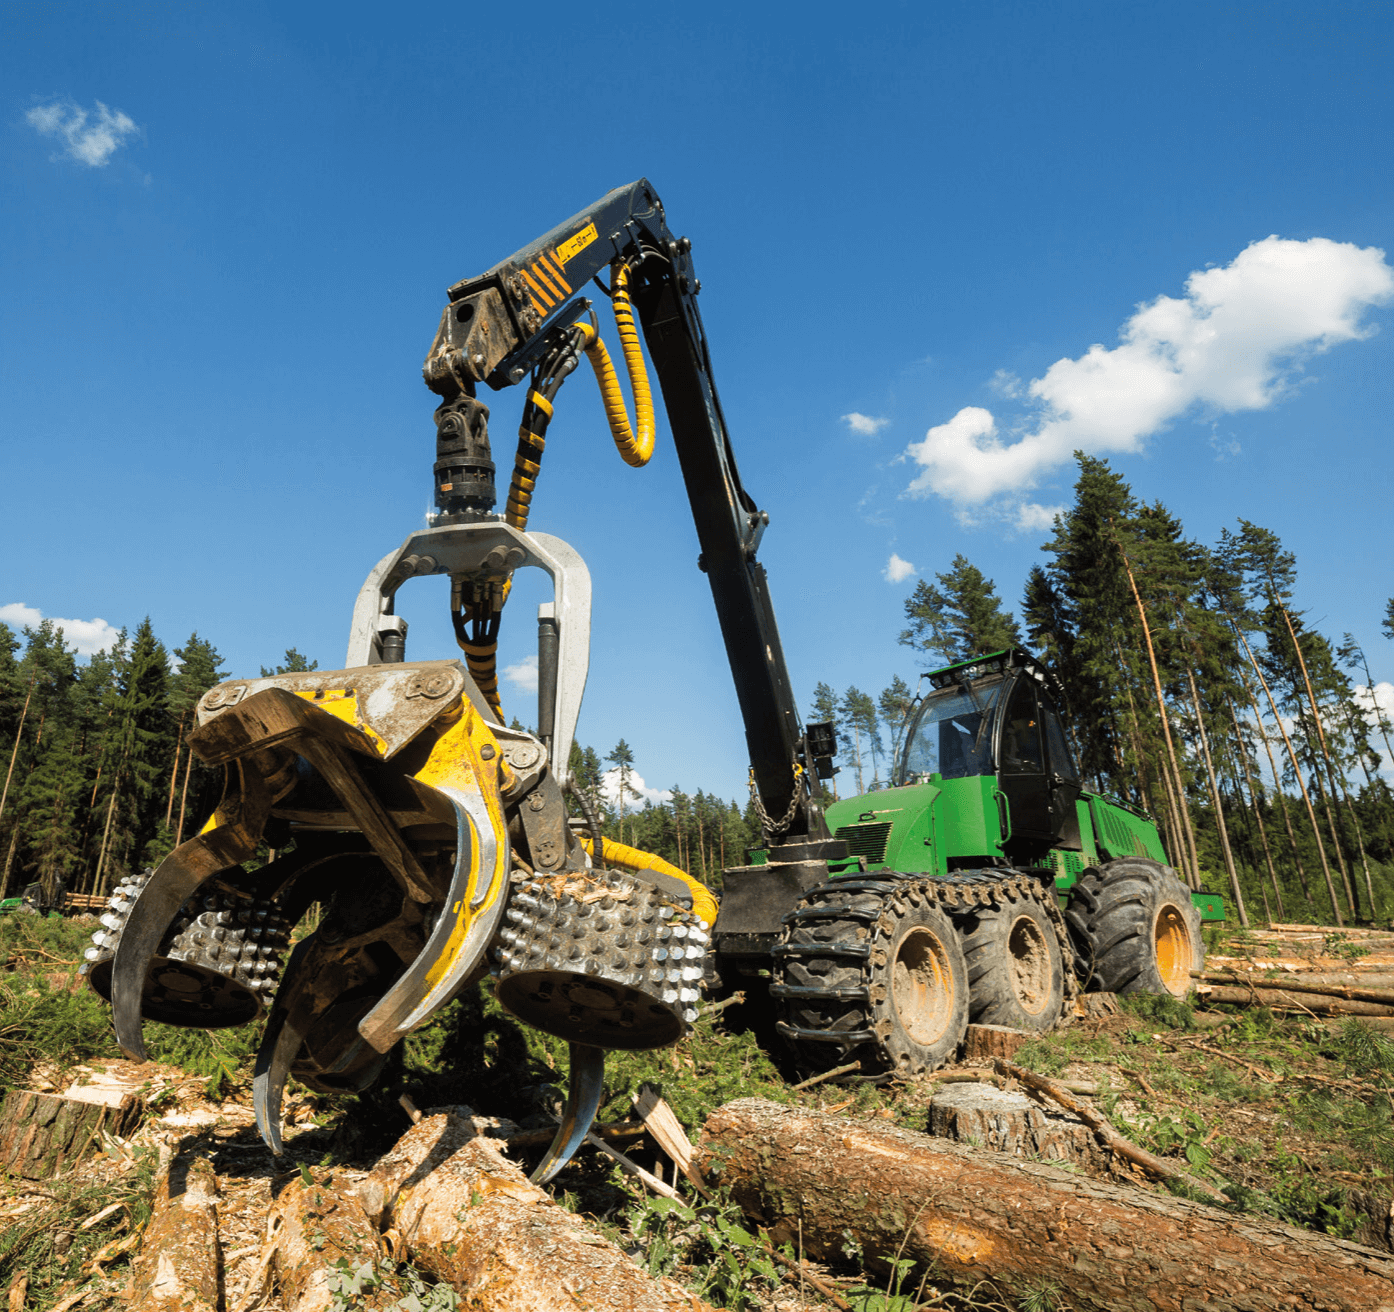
(1196, 690)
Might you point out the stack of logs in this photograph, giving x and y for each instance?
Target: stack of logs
(447, 1199)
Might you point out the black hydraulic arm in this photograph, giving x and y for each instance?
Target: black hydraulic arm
(499, 325)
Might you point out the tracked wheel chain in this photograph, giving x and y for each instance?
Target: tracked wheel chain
(829, 967)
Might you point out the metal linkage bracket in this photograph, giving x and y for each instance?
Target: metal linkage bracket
(461, 551)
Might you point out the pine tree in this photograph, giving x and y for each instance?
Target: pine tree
(961, 618)
(895, 705)
(622, 758)
(295, 664)
(858, 717)
(1387, 623)
(138, 748)
(200, 668)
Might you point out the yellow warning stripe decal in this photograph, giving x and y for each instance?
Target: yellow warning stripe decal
(553, 268)
(537, 291)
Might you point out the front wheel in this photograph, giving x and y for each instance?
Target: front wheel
(1136, 928)
(919, 989)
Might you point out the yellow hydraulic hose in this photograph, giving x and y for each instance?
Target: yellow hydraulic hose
(631, 858)
(633, 450)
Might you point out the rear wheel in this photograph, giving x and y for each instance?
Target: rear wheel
(1136, 928)
(1015, 967)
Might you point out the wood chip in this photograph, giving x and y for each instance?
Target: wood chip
(668, 1134)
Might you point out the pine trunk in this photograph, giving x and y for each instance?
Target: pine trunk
(14, 752)
(971, 1215)
(1326, 756)
(180, 1264)
(1258, 813)
(1297, 774)
(1218, 803)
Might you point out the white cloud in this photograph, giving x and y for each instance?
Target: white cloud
(1005, 383)
(523, 675)
(1235, 341)
(88, 636)
(897, 570)
(610, 791)
(91, 138)
(864, 425)
(1381, 701)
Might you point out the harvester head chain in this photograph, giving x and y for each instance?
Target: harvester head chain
(830, 967)
(218, 964)
(602, 958)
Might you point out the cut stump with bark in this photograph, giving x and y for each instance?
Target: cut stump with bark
(472, 1219)
(982, 1043)
(1004, 1121)
(43, 1134)
(179, 1267)
(972, 1214)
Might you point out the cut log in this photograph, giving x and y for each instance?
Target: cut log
(179, 1267)
(475, 1221)
(983, 1115)
(42, 1134)
(1304, 984)
(1110, 1247)
(314, 1227)
(984, 1042)
(1282, 1000)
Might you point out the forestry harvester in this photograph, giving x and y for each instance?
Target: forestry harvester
(437, 841)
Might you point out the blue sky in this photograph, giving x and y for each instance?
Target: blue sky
(227, 232)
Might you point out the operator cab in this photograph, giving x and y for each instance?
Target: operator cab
(997, 715)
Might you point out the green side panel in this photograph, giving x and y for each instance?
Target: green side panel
(1068, 867)
(886, 830)
(11, 904)
(968, 819)
(1119, 832)
(918, 828)
(1212, 906)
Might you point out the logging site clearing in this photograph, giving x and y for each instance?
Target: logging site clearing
(1232, 1151)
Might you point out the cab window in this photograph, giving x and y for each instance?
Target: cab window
(952, 736)
(1021, 732)
(1062, 760)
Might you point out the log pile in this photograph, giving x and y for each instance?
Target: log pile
(972, 1214)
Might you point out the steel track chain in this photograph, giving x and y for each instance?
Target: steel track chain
(956, 895)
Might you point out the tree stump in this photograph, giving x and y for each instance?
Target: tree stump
(984, 1042)
(42, 1134)
(1095, 1004)
(1009, 1122)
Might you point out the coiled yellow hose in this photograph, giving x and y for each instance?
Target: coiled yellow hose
(633, 450)
(632, 858)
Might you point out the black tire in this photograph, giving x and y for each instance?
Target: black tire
(1135, 928)
(920, 993)
(1016, 971)
(871, 974)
